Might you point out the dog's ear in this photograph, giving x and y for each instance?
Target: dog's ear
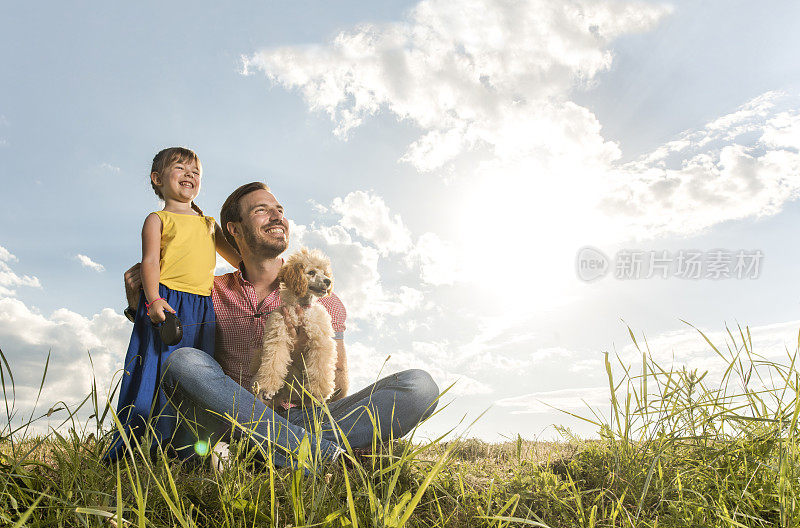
(294, 277)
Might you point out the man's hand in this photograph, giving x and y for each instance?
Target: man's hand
(341, 378)
(133, 285)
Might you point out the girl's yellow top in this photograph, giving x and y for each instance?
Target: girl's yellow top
(188, 254)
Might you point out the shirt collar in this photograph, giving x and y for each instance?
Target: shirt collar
(239, 275)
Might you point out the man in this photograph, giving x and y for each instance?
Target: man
(213, 392)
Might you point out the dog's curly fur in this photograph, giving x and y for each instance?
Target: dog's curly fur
(304, 277)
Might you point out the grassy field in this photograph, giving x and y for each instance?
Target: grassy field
(674, 448)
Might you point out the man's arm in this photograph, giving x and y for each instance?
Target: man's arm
(133, 285)
(341, 379)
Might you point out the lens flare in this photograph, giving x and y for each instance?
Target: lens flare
(201, 448)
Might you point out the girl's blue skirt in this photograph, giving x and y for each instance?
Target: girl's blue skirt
(142, 403)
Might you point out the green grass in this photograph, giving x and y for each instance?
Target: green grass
(675, 448)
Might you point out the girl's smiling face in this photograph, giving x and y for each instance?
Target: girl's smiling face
(180, 181)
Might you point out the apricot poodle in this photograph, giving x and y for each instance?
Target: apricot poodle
(304, 278)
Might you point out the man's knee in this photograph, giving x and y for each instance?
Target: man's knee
(182, 362)
(424, 389)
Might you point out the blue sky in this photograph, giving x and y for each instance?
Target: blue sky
(451, 158)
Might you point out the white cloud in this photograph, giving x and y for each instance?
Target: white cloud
(483, 78)
(356, 276)
(3, 122)
(367, 365)
(10, 280)
(222, 266)
(783, 131)
(744, 164)
(488, 76)
(316, 206)
(504, 343)
(686, 347)
(459, 69)
(27, 336)
(87, 262)
(368, 216)
(563, 399)
(550, 353)
(439, 264)
(366, 239)
(446, 367)
(490, 85)
(109, 167)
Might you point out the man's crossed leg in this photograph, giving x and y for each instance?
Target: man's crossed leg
(213, 401)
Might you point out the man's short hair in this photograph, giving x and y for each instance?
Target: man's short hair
(231, 210)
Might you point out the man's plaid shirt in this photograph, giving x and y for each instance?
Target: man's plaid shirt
(240, 323)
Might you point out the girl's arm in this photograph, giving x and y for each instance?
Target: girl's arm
(225, 250)
(151, 271)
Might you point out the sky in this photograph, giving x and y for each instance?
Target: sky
(504, 188)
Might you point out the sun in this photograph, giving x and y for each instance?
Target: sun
(525, 231)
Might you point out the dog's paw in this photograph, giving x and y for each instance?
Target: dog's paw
(263, 394)
(266, 398)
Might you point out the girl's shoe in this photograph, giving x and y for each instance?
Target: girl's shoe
(220, 454)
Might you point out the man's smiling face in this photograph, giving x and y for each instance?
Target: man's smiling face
(264, 228)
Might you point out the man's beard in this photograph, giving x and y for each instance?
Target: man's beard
(262, 247)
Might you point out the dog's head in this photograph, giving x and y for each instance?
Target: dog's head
(307, 271)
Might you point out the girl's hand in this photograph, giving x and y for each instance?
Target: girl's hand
(156, 311)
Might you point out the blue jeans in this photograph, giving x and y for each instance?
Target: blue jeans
(213, 404)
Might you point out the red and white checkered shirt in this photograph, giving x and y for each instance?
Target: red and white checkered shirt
(240, 323)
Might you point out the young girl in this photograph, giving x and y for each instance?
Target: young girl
(178, 260)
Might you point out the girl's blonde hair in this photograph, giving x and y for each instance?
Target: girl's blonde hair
(167, 157)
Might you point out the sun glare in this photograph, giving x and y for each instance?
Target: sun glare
(531, 229)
